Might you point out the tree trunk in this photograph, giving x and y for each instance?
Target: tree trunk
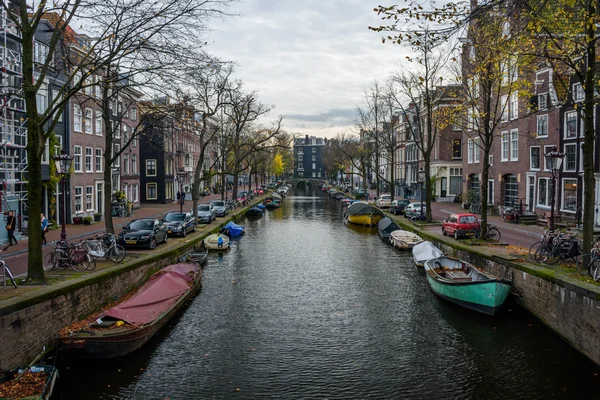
(108, 221)
(485, 173)
(427, 189)
(35, 272)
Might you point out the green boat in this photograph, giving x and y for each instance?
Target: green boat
(463, 284)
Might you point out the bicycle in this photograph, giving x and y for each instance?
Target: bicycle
(475, 208)
(119, 210)
(587, 264)
(492, 233)
(548, 236)
(105, 246)
(7, 271)
(69, 255)
(562, 247)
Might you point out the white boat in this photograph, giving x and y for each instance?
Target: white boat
(212, 242)
(404, 239)
(425, 251)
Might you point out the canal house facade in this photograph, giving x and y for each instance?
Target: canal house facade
(308, 157)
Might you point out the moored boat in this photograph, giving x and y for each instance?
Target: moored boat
(404, 239)
(425, 251)
(129, 325)
(463, 284)
(32, 383)
(255, 212)
(361, 213)
(233, 230)
(385, 227)
(212, 242)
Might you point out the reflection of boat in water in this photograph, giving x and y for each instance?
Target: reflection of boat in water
(461, 283)
(362, 229)
(361, 213)
(425, 251)
(212, 242)
(404, 239)
(385, 227)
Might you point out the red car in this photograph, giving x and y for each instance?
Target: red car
(461, 225)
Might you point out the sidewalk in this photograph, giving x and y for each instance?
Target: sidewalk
(16, 256)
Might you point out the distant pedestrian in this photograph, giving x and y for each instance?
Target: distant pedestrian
(11, 223)
(44, 222)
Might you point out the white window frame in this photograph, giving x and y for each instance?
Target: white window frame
(77, 155)
(133, 114)
(568, 115)
(570, 145)
(543, 101)
(514, 105)
(134, 168)
(469, 151)
(514, 145)
(562, 200)
(548, 198)
(41, 98)
(578, 93)
(540, 119)
(547, 148)
(504, 148)
(476, 150)
(504, 108)
(155, 166)
(99, 159)
(78, 199)
(148, 191)
(88, 117)
(89, 196)
(125, 164)
(531, 168)
(77, 118)
(99, 124)
(135, 193)
(91, 159)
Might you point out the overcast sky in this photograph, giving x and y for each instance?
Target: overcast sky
(310, 59)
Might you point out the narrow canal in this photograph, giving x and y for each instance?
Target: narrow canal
(303, 307)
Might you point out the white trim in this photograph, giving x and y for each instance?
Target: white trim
(92, 194)
(562, 195)
(91, 159)
(504, 135)
(155, 166)
(514, 132)
(75, 199)
(537, 126)
(548, 199)
(574, 154)
(567, 114)
(80, 158)
(547, 148)
(155, 190)
(531, 158)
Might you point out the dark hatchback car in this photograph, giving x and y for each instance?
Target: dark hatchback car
(143, 232)
(398, 206)
(179, 223)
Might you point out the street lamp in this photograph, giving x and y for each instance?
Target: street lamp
(63, 167)
(554, 161)
(180, 177)
(421, 180)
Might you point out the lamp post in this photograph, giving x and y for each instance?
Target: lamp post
(63, 166)
(180, 176)
(554, 161)
(421, 180)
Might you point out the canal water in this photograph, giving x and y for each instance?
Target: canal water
(304, 307)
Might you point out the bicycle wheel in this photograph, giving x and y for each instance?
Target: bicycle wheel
(493, 234)
(549, 255)
(533, 249)
(88, 263)
(595, 273)
(584, 264)
(49, 262)
(117, 254)
(8, 273)
(122, 213)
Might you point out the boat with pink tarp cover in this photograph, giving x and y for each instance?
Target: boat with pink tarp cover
(128, 325)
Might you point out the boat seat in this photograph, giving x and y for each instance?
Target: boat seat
(457, 275)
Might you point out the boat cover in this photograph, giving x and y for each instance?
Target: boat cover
(363, 209)
(256, 211)
(387, 225)
(425, 251)
(234, 229)
(276, 196)
(261, 206)
(157, 295)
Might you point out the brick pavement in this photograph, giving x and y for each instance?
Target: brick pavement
(16, 256)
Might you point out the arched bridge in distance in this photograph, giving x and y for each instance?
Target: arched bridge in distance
(301, 183)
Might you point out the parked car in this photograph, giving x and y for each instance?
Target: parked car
(260, 191)
(461, 225)
(397, 207)
(243, 197)
(179, 223)
(384, 201)
(143, 232)
(206, 213)
(220, 207)
(413, 208)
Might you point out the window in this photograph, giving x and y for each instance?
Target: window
(117, 132)
(134, 168)
(116, 149)
(578, 93)
(97, 92)
(571, 124)
(55, 96)
(77, 118)
(470, 151)
(41, 98)
(542, 126)
(476, 150)
(514, 105)
(544, 190)
(457, 149)
(135, 193)
(300, 157)
(513, 70)
(569, 196)
(511, 190)
(40, 53)
(503, 108)
(314, 166)
(570, 157)
(88, 159)
(151, 191)
(150, 167)
(455, 181)
(534, 158)
(89, 198)
(87, 121)
(314, 149)
(514, 145)
(133, 114)
(125, 164)
(77, 158)
(314, 157)
(134, 142)
(543, 101)
(99, 123)
(98, 160)
(78, 199)
(504, 145)
(546, 150)
(125, 133)
(471, 119)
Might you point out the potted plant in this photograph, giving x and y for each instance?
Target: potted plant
(97, 217)
(87, 220)
(77, 220)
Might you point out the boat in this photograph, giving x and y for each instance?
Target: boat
(425, 251)
(385, 227)
(275, 196)
(361, 213)
(273, 204)
(35, 382)
(212, 242)
(233, 230)
(465, 285)
(129, 325)
(404, 239)
(260, 206)
(199, 256)
(255, 211)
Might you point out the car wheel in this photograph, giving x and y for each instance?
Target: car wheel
(166, 238)
(444, 232)
(184, 232)
(152, 245)
(194, 228)
(456, 235)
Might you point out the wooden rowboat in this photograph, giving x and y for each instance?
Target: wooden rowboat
(461, 283)
(404, 239)
(425, 251)
(129, 325)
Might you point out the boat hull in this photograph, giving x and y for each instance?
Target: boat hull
(107, 345)
(486, 297)
(365, 220)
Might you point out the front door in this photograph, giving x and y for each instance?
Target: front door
(443, 184)
(530, 193)
(99, 197)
